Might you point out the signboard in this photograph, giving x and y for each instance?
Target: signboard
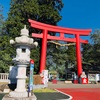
(92, 77)
(31, 75)
(45, 77)
(97, 77)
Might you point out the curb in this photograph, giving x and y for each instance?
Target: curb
(70, 97)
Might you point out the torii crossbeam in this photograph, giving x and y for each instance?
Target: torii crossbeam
(45, 36)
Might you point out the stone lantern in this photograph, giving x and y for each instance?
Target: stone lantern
(23, 45)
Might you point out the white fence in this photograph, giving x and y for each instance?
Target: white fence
(4, 77)
(93, 78)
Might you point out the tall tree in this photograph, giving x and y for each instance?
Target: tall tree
(5, 60)
(61, 58)
(46, 11)
(49, 11)
(91, 53)
(1, 20)
(71, 55)
(87, 56)
(95, 37)
(96, 49)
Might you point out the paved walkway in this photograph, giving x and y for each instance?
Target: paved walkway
(78, 91)
(82, 93)
(62, 84)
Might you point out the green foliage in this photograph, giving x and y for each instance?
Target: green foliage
(49, 11)
(60, 58)
(1, 20)
(71, 54)
(35, 54)
(43, 90)
(46, 11)
(5, 57)
(87, 53)
(91, 53)
(95, 37)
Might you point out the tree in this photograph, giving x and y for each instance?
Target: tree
(60, 58)
(49, 11)
(87, 56)
(5, 59)
(95, 37)
(46, 11)
(71, 55)
(91, 53)
(1, 20)
(96, 49)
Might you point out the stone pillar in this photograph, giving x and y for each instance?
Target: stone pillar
(43, 51)
(21, 78)
(78, 54)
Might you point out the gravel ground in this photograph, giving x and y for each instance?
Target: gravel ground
(62, 84)
(57, 95)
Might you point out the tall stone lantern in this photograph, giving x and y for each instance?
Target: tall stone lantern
(23, 45)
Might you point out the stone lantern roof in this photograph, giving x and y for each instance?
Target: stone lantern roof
(24, 39)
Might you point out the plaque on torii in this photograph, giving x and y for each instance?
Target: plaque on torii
(45, 36)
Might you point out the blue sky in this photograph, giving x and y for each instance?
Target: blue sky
(6, 5)
(82, 14)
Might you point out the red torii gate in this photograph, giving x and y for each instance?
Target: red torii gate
(62, 31)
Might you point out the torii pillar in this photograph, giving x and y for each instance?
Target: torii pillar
(45, 36)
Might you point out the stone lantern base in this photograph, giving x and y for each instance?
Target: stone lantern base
(7, 97)
(18, 94)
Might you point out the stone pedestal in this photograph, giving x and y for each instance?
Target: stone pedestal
(7, 97)
(18, 94)
(20, 90)
(21, 78)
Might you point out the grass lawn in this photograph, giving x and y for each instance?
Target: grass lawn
(49, 94)
(1, 96)
(43, 90)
